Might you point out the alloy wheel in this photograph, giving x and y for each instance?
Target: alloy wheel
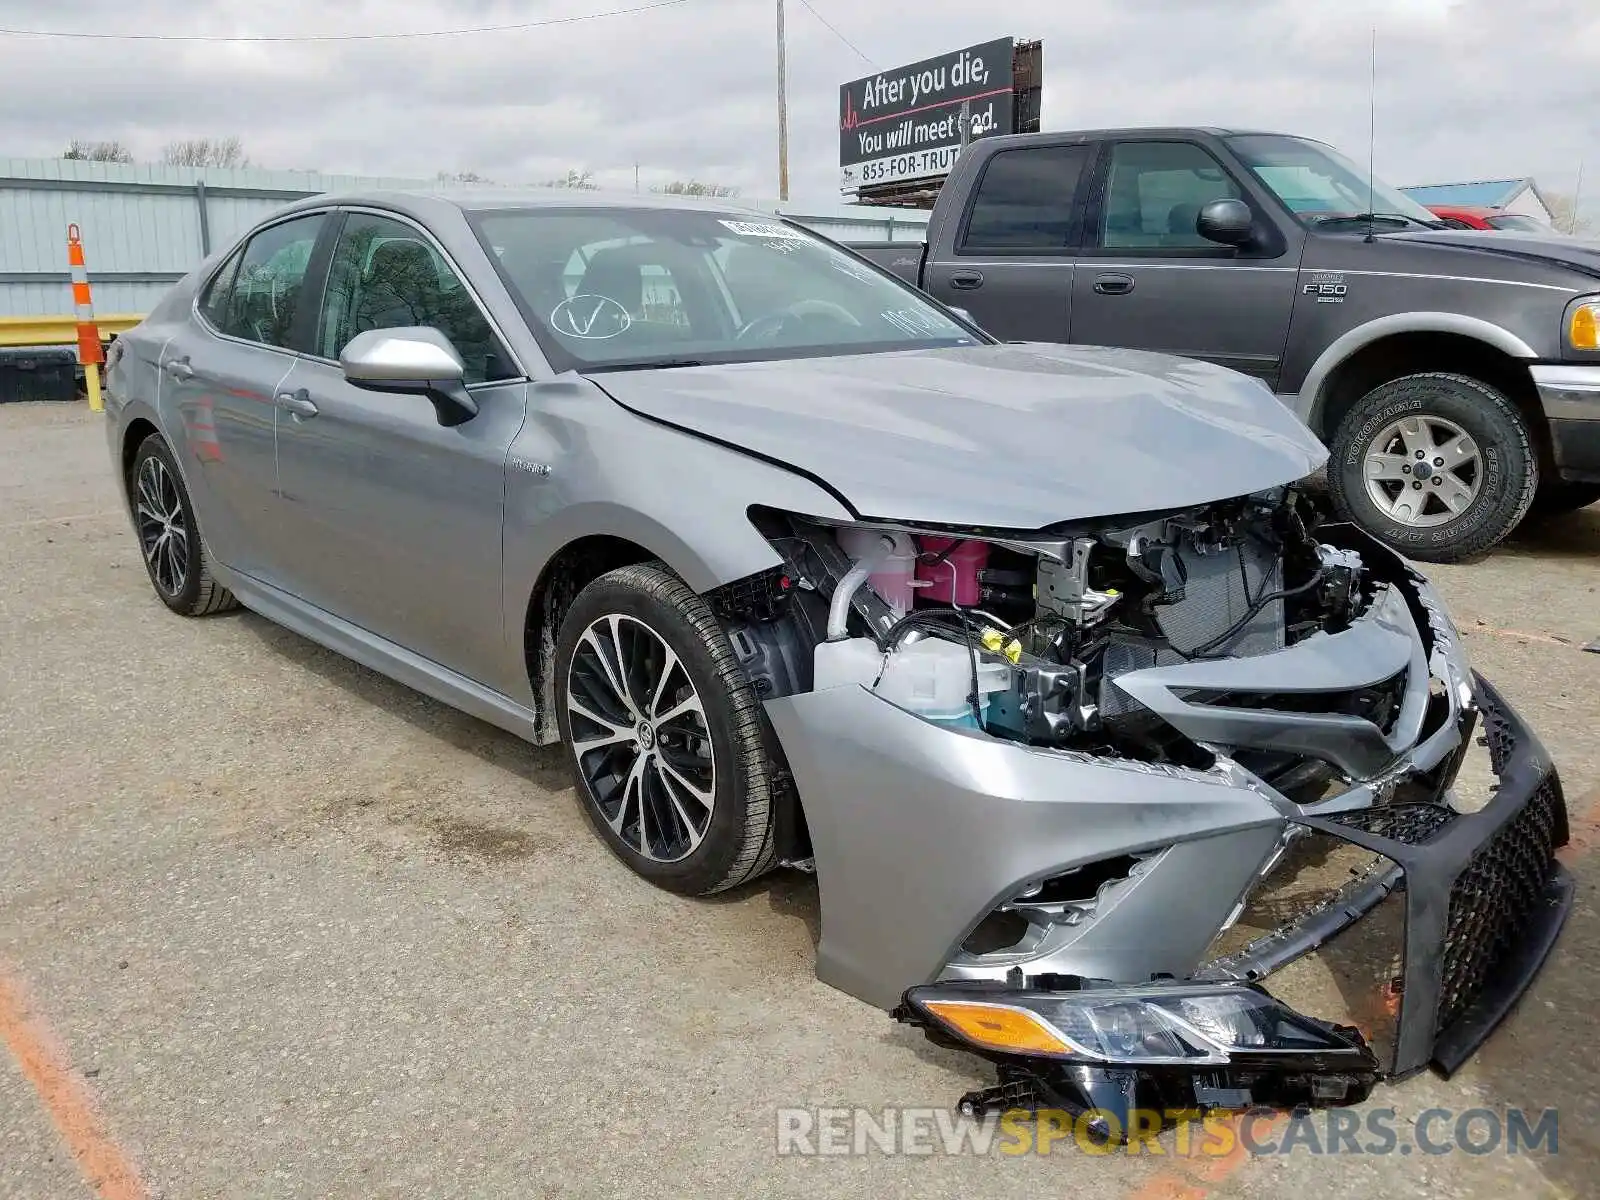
(1423, 471)
(163, 531)
(640, 737)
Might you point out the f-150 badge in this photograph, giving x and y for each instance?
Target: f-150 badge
(1327, 286)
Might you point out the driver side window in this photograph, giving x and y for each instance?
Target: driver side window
(1154, 193)
(386, 275)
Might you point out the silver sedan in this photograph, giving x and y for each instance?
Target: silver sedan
(1036, 655)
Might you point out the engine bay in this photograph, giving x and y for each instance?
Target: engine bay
(1024, 638)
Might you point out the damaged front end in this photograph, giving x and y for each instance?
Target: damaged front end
(1418, 924)
(1079, 801)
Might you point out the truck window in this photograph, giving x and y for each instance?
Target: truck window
(1154, 193)
(1024, 201)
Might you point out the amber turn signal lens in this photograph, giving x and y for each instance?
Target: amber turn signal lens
(1584, 330)
(995, 1027)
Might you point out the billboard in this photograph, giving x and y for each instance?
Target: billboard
(905, 123)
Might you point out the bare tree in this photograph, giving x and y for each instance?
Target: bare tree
(205, 152)
(1564, 214)
(581, 180)
(462, 177)
(113, 152)
(693, 187)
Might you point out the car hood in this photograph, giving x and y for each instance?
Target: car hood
(1008, 437)
(1578, 254)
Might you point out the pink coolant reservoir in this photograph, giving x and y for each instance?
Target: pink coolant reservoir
(953, 579)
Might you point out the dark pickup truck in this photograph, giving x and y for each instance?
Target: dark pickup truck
(1455, 375)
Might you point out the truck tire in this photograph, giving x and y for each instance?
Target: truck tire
(668, 753)
(1441, 467)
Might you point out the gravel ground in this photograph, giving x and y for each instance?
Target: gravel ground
(302, 932)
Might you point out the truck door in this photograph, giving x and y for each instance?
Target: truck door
(1013, 267)
(1146, 279)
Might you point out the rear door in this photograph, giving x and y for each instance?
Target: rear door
(395, 519)
(1148, 280)
(1013, 262)
(220, 373)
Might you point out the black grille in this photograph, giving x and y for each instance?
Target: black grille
(1495, 895)
(1379, 704)
(1410, 824)
(1500, 737)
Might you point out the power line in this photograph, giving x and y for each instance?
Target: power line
(337, 37)
(833, 30)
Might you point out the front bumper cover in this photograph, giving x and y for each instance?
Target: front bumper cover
(1570, 397)
(1484, 901)
(921, 832)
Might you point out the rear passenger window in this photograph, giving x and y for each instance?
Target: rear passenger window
(1024, 200)
(264, 293)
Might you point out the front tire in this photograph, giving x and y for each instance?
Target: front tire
(1441, 467)
(169, 535)
(665, 733)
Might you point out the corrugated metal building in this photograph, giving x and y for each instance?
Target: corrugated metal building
(144, 227)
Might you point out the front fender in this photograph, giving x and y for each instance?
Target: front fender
(1311, 397)
(584, 466)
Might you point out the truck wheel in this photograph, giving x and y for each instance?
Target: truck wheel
(1441, 467)
(665, 733)
(1556, 498)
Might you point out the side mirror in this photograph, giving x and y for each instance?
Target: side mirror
(1227, 221)
(415, 359)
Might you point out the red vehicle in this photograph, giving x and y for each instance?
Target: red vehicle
(1458, 216)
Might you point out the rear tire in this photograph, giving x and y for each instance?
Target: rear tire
(687, 801)
(174, 553)
(1441, 467)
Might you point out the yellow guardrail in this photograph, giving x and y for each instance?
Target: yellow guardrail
(60, 331)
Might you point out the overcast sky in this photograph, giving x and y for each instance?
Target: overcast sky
(1469, 90)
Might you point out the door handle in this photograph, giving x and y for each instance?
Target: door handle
(298, 403)
(179, 369)
(1113, 285)
(966, 281)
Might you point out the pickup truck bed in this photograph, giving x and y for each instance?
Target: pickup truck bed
(903, 258)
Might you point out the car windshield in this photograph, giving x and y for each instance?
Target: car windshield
(1317, 183)
(615, 288)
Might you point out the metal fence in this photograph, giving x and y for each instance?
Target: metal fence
(145, 227)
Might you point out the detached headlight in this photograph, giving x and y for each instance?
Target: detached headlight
(1583, 325)
(1177, 1024)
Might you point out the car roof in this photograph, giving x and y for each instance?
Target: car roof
(1145, 131)
(419, 201)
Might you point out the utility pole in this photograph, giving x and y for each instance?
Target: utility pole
(783, 110)
(1577, 199)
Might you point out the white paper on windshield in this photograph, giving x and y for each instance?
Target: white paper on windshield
(764, 229)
